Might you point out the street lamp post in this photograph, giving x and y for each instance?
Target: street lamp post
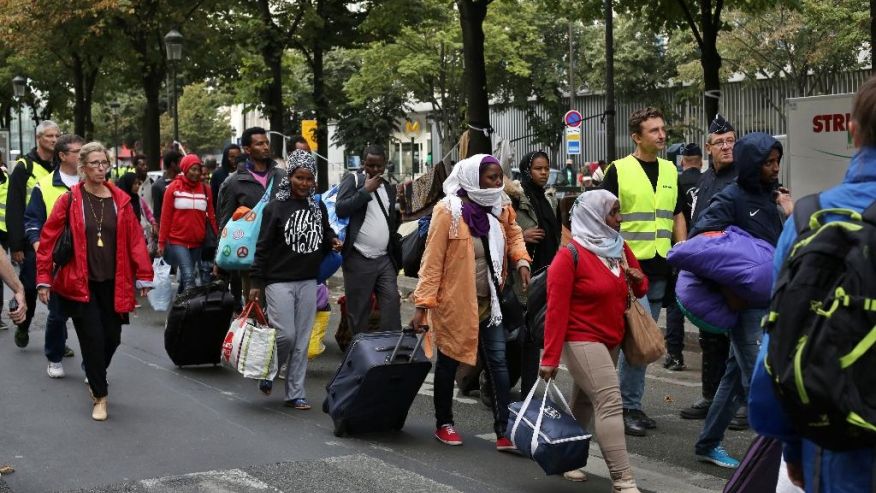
(114, 110)
(173, 44)
(18, 86)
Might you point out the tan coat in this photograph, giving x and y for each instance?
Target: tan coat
(447, 281)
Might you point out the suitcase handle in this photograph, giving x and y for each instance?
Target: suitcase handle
(408, 330)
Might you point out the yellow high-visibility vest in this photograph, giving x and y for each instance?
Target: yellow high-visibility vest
(51, 192)
(4, 192)
(647, 215)
(37, 172)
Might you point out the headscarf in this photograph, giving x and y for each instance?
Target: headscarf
(300, 159)
(126, 183)
(484, 206)
(189, 161)
(588, 224)
(544, 252)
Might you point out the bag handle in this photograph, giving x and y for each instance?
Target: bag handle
(267, 195)
(260, 315)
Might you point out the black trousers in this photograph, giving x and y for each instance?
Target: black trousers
(27, 276)
(716, 350)
(99, 329)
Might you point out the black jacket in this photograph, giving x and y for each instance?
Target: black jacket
(353, 202)
(748, 204)
(16, 201)
(240, 188)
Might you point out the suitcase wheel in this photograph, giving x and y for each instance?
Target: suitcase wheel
(340, 428)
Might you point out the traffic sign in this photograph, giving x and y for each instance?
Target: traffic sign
(573, 140)
(573, 118)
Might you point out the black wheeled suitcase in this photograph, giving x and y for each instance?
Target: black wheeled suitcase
(197, 324)
(377, 382)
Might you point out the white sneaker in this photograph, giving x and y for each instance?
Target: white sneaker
(281, 374)
(55, 370)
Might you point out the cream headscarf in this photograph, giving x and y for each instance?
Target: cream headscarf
(588, 224)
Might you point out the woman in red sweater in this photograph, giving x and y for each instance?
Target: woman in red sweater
(588, 335)
(186, 211)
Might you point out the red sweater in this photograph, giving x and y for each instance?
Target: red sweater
(184, 213)
(585, 304)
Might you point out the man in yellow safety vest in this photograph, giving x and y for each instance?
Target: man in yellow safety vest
(652, 212)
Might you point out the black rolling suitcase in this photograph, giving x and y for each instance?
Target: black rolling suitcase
(377, 382)
(197, 324)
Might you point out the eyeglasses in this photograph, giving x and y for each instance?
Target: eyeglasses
(723, 143)
(98, 164)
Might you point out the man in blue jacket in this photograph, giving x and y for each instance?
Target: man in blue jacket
(749, 204)
(809, 466)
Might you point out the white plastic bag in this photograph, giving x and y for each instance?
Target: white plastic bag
(250, 345)
(161, 294)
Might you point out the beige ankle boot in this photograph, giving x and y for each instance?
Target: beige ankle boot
(98, 413)
(624, 482)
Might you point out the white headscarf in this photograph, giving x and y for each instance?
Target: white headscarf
(588, 224)
(466, 175)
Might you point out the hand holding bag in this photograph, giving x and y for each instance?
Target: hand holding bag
(250, 345)
(161, 294)
(550, 436)
(643, 342)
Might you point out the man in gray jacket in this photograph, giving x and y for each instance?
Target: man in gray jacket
(370, 264)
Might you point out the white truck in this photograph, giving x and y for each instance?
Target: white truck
(819, 146)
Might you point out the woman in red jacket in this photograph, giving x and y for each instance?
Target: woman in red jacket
(109, 260)
(186, 211)
(588, 335)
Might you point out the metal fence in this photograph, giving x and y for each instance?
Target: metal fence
(750, 105)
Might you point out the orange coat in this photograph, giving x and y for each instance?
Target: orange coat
(447, 281)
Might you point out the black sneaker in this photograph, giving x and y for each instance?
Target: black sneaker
(22, 338)
(739, 421)
(632, 425)
(674, 362)
(643, 418)
(68, 353)
(697, 411)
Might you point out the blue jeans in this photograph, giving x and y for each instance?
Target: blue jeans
(184, 259)
(56, 331)
(491, 352)
(733, 390)
(632, 378)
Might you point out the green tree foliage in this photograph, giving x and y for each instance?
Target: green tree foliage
(203, 124)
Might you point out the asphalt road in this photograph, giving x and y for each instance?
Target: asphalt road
(206, 429)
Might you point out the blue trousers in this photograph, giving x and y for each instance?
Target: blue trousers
(632, 378)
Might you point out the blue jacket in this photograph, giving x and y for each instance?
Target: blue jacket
(840, 472)
(35, 214)
(748, 203)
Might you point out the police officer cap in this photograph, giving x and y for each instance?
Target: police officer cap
(691, 150)
(720, 126)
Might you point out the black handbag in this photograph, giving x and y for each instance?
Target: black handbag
(62, 253)
(513, 312)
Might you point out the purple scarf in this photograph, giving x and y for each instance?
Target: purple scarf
(475, 216)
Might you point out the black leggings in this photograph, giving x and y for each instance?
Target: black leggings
(99, 329)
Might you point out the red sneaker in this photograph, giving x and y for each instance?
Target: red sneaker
(505, 445)
(446, 434)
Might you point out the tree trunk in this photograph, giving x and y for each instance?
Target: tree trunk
(88, 100)
(272, 94)
(873, 36)
(322, 111)
(79, 96)
(610, 139)
(471, 18)
(153, 76)
(711, 62)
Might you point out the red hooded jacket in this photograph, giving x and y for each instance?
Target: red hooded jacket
(185, 210)
(71, 281)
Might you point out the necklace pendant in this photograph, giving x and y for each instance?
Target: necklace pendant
(99, 241)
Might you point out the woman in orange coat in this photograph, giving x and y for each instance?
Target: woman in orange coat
(471, 235)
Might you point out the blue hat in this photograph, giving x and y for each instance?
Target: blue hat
(720, 126)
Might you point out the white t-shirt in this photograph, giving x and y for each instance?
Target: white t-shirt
(69, 180)
(373, 238)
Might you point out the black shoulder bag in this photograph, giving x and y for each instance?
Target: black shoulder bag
(513, 317)
(395, 240)
(63, 250)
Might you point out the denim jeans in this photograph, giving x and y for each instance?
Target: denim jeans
(56, 331)
(733, 390)
(184, 259)
(491, 351)
(632, 378)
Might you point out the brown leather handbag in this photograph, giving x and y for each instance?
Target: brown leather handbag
(643, 342)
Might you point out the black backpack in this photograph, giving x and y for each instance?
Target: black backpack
(822, 325)
(536, 301)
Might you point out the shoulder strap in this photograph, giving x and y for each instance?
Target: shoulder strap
(803, 210)
(356, 180)
(267, 196)
(574, 252)
(383, 208)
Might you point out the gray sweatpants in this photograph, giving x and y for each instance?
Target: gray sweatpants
(291, 310)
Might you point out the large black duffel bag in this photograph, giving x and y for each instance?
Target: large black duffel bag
(197, 323)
